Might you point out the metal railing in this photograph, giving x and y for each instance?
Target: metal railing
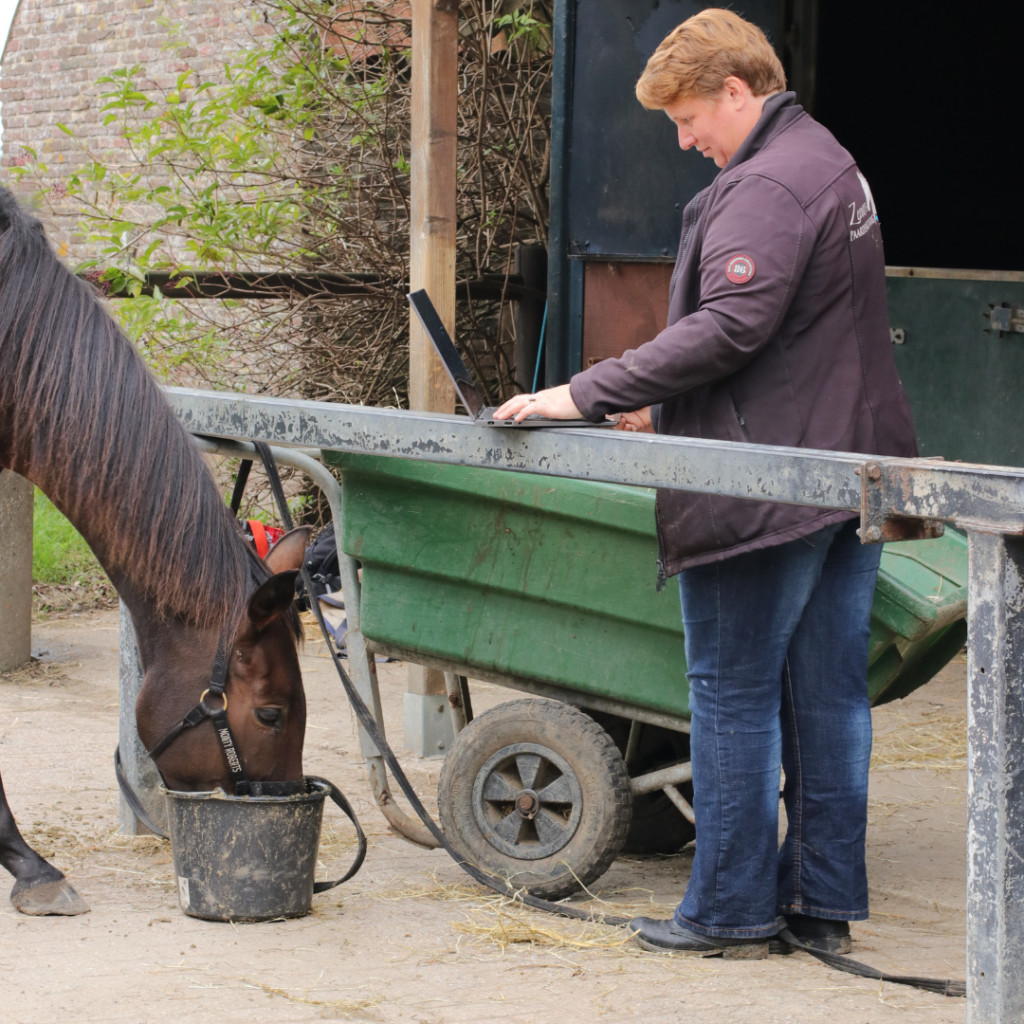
(895, 498)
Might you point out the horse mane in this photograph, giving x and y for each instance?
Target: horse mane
(82, 417)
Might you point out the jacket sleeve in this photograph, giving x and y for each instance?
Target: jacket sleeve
(756, 218)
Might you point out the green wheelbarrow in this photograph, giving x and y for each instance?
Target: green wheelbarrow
(547, 586)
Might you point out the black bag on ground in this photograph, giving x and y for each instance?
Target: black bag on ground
(322, 563)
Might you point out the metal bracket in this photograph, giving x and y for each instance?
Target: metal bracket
(1004, 319)
(881, 492)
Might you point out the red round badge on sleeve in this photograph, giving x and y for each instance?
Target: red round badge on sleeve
(739, 269)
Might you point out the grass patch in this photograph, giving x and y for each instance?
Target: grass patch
(65, 573)
(60, 556)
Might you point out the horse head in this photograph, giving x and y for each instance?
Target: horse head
(266, 704)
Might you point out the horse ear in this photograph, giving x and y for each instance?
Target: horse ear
(272, 599)
(289, 551)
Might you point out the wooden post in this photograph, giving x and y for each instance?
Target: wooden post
(435, 53)
(16, 498)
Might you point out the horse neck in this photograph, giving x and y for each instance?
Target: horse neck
(81, 416)
(102, 516)
(121, 468)
(163, 640)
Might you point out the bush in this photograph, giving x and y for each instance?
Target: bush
(296, 160)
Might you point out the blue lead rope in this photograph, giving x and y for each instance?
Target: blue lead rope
(540, 347)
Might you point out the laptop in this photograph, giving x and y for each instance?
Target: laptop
(465, 385)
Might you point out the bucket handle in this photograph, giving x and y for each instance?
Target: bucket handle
(339, 798)
(132, 798)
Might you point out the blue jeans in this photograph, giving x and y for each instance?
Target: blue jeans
(777, 646)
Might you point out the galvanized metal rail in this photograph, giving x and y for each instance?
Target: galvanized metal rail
(895, 498)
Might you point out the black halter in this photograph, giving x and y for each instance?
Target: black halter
(219, 717)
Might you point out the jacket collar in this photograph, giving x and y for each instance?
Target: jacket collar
(779, 112)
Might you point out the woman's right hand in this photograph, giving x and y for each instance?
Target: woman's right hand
(638, 422)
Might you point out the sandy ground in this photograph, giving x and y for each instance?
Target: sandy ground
(410, 938)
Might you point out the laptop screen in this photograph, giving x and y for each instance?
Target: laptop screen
(465, 386)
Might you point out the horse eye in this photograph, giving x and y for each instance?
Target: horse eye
(268, 716)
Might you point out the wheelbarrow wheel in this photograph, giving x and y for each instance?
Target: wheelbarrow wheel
(657, 826)
(536, 792)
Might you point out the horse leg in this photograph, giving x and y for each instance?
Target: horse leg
(39, 888)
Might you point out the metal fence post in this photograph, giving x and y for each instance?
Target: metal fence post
(138, 768)
(995, 787)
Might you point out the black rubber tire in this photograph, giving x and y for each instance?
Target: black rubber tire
(598, 769)
(657, 827)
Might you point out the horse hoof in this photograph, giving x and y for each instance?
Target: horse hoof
(56, 896)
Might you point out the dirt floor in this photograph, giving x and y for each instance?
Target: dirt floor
(410, 938)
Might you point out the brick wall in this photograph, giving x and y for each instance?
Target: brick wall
(56, 51)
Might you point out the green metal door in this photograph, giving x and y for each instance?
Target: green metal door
(966, 386)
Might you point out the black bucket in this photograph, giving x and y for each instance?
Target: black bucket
(251, 858)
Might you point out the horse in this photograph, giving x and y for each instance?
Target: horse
(84, 420)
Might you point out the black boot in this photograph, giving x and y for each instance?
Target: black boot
(816, 932)
(669, 937)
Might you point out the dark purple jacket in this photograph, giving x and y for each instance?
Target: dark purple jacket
(778, 333)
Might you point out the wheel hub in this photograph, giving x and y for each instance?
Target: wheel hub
(527, 804)
(527, 801)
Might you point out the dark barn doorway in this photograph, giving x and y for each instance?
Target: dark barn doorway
(922, 94)
(926, 98)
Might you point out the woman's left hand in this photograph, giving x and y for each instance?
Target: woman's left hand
(555, 403)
